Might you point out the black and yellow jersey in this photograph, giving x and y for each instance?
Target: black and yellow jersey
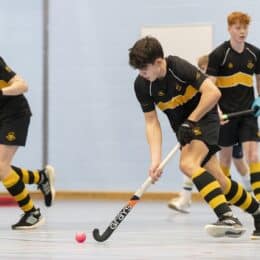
(234, 72)
(177, 94)
(11, 105)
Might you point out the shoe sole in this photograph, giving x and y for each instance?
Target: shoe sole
(50, 172)
(172, 206)
(253, 237)
(41, 222)
(224, 231)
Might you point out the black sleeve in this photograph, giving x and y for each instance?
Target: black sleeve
(143, 95)
(215, 59)
(5, 72)
(257, 68)
(188, 73)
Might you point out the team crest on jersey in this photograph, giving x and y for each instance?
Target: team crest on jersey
(7, 69)
(230, 65)
(250, 64)
(10, 136)
(161, 93)
(178, 87)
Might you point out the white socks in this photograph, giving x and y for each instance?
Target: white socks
(187, 188)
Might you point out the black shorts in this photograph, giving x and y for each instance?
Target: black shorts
(13, 131)
(238, 131)
(237, 151)
(209, 126)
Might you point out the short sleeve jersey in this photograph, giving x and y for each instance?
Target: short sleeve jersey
(177, 94)
(11, 105)
(234, 72)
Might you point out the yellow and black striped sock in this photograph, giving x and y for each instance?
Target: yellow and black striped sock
(238, 196)
(16, 188)
(210, 190)
(226, 171)
(255, 179)
(27, 176)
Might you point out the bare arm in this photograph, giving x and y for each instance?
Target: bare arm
(154, 136)
(210, 95)
(220, 113)
(16, 86)
(214, 79)
(258, 83)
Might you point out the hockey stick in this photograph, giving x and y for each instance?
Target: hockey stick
(238, 114)
(254, 111)
(131, 203)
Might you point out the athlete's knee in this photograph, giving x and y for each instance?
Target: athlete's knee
(2, 165)
(225, 160)
(188, 166)
(241, 166)
(252, 155)
(3, 169)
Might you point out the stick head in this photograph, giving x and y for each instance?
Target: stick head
(96, 234)
(102, 237)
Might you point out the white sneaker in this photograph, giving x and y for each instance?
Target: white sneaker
(226, 227)
(180, 204)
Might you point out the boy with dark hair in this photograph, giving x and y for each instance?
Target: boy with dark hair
(189, 100)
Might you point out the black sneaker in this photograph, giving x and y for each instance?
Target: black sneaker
(256, 232)
(46, 186)
(226, 226)
(29, 220)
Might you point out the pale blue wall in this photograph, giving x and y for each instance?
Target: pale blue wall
(96, 126)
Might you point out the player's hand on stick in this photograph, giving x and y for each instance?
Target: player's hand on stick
(101, 237)
(154, 172)
(223, 121)
(254, 110)
(256, 107)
